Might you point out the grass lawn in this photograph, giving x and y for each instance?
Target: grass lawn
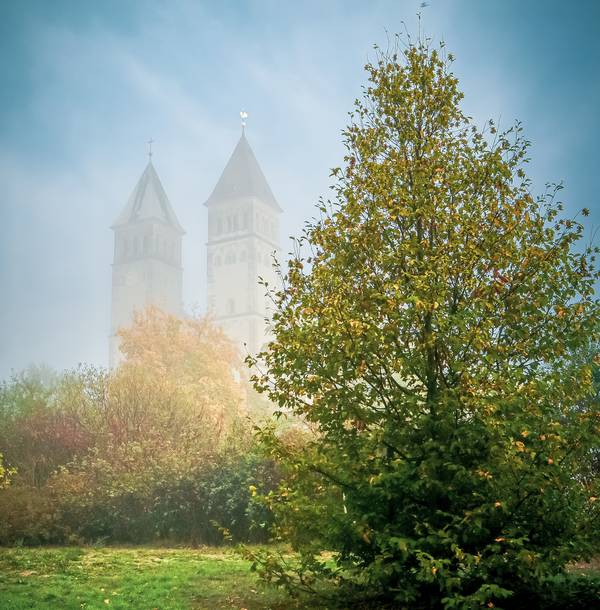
(139, 578)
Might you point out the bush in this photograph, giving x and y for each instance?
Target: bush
(160, 448)
(217, 503)
(560, 592)
(212, 503)
(28, 516)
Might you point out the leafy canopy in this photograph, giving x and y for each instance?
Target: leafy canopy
(425, 329)
(192, 362)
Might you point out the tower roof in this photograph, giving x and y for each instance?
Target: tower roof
(242, 177)
(149, 201)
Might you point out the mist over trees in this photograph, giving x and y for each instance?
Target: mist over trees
(160, 448)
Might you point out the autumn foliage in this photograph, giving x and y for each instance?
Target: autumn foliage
(160, 448)
(425, 329)
(192, 362)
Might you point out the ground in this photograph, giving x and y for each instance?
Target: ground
(72, 578)
(140, 578)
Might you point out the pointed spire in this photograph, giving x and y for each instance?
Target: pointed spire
(242, 177)
(149, 201)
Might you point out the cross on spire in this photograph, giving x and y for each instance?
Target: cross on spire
(150, 142)
(243, 116)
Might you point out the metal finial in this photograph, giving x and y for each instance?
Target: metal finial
(150, 142)
(243, 116)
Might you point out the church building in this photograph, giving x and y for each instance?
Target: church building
(243, 237)
(147, 257)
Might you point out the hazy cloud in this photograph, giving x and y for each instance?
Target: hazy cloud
(91, 83)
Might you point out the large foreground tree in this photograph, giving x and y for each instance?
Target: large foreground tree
(424, 332)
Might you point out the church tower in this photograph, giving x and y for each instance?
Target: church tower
(147, 257)
(243, 235)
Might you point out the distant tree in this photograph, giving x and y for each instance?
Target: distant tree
(159, 447)
(40, 429)
(172, 456)
(425, 329)
(191, 358)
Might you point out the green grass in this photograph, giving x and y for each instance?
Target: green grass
(131, 578)
(140, 578)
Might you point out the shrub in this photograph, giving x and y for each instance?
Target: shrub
(159, 448)
(28, 516)
(210, 503)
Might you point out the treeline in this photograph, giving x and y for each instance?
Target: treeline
(161, 448)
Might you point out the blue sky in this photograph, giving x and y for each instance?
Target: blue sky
(83, 86)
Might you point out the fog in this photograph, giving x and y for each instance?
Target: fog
(84, 86)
